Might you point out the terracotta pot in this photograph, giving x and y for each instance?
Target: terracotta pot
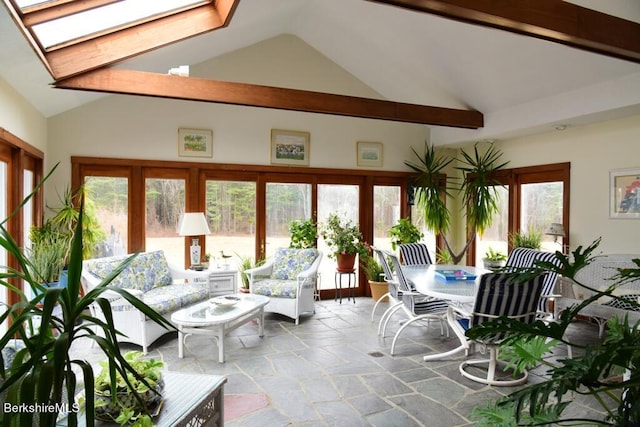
(346, 262)
(378, 289)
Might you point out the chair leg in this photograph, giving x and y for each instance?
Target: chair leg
(373, 312)
(384, 322)
(403, 327)
(490, 378)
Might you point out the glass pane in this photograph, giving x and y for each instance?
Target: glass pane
(342, 200)
(495, 237)
(285, 203)
(165, 199)
(386, 212)
(542, 205)
(27, 217)
(110, 196)
(231, 212)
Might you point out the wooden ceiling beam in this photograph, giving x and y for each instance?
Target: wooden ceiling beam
(128, 42)
(113, 80)
(553, 20)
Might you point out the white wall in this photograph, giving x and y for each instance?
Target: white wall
(21, 118)
(593, 151)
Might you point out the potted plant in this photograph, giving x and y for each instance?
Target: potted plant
(375, 275)
(125, 408)
(43, 372)
(303, 233)
(607, 371)
(404, 232)
(345, 241)
(526, 239)
(477, 189)
(493, 260)
(48, 253)
(246, 263)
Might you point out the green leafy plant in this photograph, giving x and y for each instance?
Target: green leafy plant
(492, 255)
(404, 232)
(372, 268)
(246, 263)
(125, 408)
(48, 325)
(607, 372)
(303, 233)
(342, 236)
(477, 189)
(526, 239)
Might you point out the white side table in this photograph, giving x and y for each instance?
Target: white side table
(221, 281)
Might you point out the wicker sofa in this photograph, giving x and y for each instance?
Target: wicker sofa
(597, 275)
(163, 287)
(289, 280)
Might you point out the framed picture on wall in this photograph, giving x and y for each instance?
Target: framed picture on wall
(624, 193)
(369, 154)
(195, 142)
(290, 147)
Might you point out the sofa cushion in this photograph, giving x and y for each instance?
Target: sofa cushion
(102, 267)
(276, 288)
(288, 262)
(152, 270)
(167, 299)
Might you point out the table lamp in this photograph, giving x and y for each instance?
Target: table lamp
(194, 224)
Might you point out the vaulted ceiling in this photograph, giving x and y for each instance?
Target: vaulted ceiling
(517, 83)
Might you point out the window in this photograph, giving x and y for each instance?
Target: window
(530, 198)
(248, 207)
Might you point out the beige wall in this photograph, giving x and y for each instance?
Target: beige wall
(593, 151)
(20, 118)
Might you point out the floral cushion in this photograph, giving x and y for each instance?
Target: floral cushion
(152, 270)
(127, 279)
(147, 271)
(276, 288)
(167, 299)
(288, 263)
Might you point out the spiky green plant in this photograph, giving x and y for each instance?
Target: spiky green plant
(42, 373)
(477, 189)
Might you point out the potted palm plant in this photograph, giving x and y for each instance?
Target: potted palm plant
(477, 191)
(44, 372)
(345, 240)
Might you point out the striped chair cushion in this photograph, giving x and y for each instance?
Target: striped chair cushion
(527, 258)
(415, 253)
(625, 302)
(502, 294)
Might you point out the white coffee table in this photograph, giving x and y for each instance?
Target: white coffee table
(216, 320)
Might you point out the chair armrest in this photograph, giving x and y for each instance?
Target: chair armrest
(182, 273)
(263, 270)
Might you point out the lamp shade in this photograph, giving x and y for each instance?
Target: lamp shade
(193, 224)
(555, 229)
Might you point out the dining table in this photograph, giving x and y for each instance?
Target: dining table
(455, 283)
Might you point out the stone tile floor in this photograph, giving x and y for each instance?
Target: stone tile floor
(333, 370)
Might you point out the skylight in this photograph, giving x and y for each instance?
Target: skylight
(102, 19)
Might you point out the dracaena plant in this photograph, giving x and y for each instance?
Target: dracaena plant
(44, 372)
(477, 189)
(607, 372)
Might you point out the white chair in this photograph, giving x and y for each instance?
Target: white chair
(391, 294)
(416, 306)
(289, 280)
(499, 294)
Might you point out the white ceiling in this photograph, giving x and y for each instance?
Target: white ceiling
(522, 85)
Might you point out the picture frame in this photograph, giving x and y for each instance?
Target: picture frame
(369, 154)
(624, 193)
(195, 142)
(290, 147)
